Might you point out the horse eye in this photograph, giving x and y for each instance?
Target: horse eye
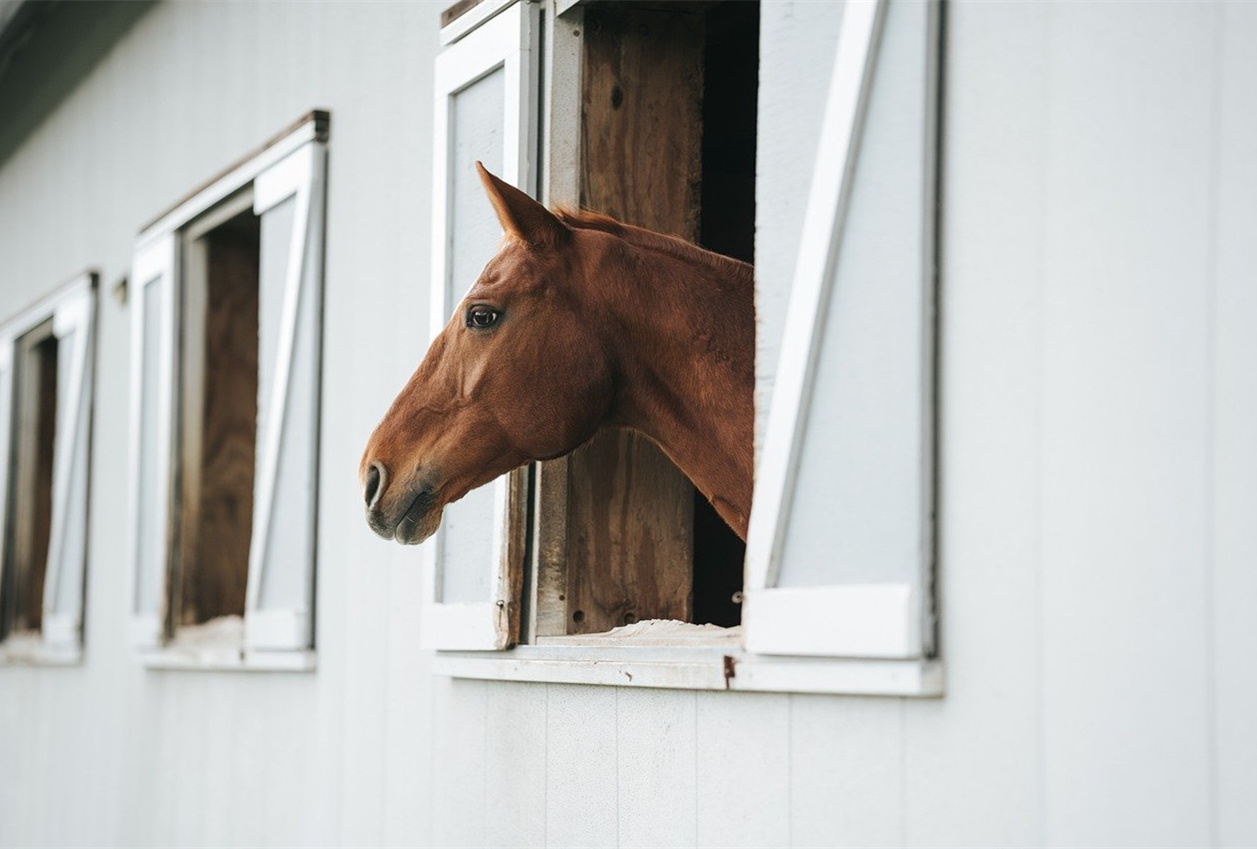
(482, 316)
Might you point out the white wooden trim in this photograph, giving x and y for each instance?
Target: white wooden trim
(473, 18)
(30, 649)
(230, 182)
(75, 314)
(278, 630)
(146, 630)
(859, 620)
(62, 629)
(464, 627)
(229, 660)
(563, 7)
(154, 264)
(297, 176)
(7, 344)
(714, 668)
(508, 41)
(854, 64)
(45, 307)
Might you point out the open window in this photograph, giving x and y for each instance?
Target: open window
(226, 346)
(649, 113)
(585, 568)
(46, 368)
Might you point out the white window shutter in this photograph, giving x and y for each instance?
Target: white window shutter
(74, 328)
(6, 435)
(830, 574)
(486, 109)
(154, 307)
(289, 198)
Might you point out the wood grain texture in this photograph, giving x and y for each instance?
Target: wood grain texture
(630, 510)
(217, 511)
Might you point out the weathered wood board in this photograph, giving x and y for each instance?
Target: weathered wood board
(629, 539)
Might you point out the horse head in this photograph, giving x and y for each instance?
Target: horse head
(519, 373)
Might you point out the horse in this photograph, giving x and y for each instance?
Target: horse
(579, 322)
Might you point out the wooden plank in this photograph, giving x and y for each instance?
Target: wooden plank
(549, 608)
(457, 10)
(630, 511)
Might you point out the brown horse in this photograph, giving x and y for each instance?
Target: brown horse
(579, 322)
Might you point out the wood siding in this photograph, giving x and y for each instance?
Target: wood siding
(1098, 470)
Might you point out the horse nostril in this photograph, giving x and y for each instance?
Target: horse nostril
(376, 478)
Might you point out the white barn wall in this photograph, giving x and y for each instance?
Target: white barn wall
(111, 752)
(1097, 470)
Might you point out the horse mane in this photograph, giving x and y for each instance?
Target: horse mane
(667, 244)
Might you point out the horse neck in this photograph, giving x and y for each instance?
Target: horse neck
(684, 340)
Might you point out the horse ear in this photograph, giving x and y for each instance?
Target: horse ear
(520, 215)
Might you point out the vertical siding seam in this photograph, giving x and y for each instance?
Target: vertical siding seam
(789, 769)
(489, 690)
(1040, 425)
(388, 657)
(617, 766)
(545, 766)
(1210, 470)
(903, 772)
(431, 788)
(694, 698)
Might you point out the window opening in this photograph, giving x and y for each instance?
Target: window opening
(29, 525)
(668, 129)
(219, 422)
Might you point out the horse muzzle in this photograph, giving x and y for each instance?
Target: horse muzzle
(411, 521)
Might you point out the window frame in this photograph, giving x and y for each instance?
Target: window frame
(506, 40)
(886, 647)
(292, 164)
(71, 309)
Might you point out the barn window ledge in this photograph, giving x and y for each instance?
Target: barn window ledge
(218, 646)
(649, 654)
(32, 650)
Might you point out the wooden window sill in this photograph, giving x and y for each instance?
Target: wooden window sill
(31, 650)
(228, 659)
(696, 667)
(218, 646)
